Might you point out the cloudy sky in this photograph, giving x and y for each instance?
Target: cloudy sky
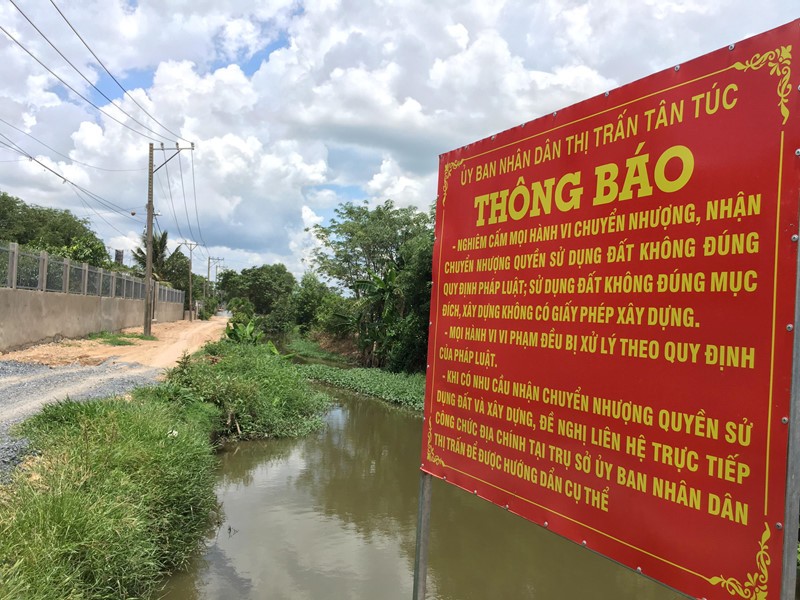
(297, 106)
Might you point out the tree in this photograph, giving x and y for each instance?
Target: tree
(160, 255)
(53, 230)
(308, 300)
(361, 242)
(382, 256)
(231, 285)
(266, 285)
(270, 290)
(85, 249)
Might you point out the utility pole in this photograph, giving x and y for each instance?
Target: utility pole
(148, 274)
(191, 246)
(208, 275)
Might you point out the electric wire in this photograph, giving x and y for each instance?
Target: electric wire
(78, 71)
(22, 131)
(76, 92)
(203, 252)
(75, 191)
(196, 215)
(185, 205)
(96, 197)
(100, 62)
(171, 201)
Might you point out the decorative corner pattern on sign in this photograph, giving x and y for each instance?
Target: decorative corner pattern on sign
(432, 456)
(755, 588)
(780, 64)
(448, 170)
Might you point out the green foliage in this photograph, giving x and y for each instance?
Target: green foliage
(398, 388)
(121, 495)
(361, 241)
(172, 269)
(309, 297)
(257, 392)
(122, 492)
(54, 231)
(208, 309)
(85, 249)
(119, 339)
(241, 309)
(263, 286)
(244, 333)
(42, 228)
(281, 319)
(266, 291)
(383, 257)
(230, 285)
(160, 255)
(337, 316)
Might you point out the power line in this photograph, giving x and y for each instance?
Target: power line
(100, 62)
(196, 215)
(96, 197)
(171, 201)
(185, 205)
(22, 131)
(78, 71)
(186, 210)
(73, 186)
(75, 191)
(76, 92)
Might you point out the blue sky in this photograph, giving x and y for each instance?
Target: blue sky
(296, 107)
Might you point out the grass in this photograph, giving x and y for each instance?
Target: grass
(305, 348)
(114, 501)
(404, 390)
(258, 393)
(119, 339)
(123, 490)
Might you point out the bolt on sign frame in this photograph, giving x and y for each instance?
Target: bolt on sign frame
(613, 338)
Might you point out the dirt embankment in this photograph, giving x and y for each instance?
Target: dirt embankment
(173, 339)
(81, 369)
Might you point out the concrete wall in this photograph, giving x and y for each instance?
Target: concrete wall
(30, 317)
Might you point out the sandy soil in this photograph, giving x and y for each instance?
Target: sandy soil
(173, 339)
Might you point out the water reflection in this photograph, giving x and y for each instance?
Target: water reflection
(333, 516)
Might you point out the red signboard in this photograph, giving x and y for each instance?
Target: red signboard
(612, 319)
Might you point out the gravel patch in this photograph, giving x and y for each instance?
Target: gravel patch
(25, 387)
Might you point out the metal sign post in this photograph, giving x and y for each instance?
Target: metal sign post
(423, 534)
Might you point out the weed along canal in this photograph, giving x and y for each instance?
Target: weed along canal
(333, 516)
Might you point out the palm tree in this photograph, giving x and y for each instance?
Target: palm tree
(159, 255)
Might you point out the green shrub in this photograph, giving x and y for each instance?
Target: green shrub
(257, 392)
(244, 333)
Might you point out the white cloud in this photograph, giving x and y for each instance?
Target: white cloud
(355, 101)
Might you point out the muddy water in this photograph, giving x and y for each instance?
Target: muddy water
(333, 516)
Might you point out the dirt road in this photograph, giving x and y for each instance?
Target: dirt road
(172, 340)
(90, 368)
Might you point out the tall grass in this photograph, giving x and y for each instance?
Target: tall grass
(259, 394)
(306, 348)
(122, 490)
(121, 493)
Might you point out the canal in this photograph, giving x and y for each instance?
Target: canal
(333, 516)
